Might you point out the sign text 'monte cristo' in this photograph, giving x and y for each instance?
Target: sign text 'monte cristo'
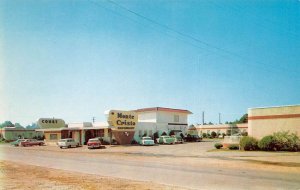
(123, 120)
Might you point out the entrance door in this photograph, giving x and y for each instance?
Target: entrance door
(88, 135)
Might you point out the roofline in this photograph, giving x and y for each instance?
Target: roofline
(163, 109)
(274, 106)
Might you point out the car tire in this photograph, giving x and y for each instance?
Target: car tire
(69, 146)
(60, 147)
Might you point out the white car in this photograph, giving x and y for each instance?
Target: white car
(67, 143)
(147, 141)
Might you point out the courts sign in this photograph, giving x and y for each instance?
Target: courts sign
(122, 120)
(45, 123)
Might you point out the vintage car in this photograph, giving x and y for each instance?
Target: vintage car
(31, 142)
(67, 143)
(165, 140)
(94, 143)
(147, 141)
(192, 138)
(178, 140)
(17, 142)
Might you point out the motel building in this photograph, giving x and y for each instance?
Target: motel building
(152, 122)
(14, 133)
(267, 120)
(80, 131)
(221, 128)
(156, 121)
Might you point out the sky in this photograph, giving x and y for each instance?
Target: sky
(75, 59)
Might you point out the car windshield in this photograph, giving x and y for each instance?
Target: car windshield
(63, 140)
(93, 140)
(147, 138)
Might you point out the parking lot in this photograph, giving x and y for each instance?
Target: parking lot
(188, 165)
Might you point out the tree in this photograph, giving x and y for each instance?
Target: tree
(213, 134)
(32, 126)
(7, 124)
(18, 125)
(244, 119)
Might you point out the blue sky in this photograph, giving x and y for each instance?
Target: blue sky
(76, 59)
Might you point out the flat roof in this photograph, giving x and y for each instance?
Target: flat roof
(163, 109)
(72, 128)
(295, 105)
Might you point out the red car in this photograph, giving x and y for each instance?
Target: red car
(31, 142)
(94, 143)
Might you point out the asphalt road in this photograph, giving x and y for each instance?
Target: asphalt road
(164, 172)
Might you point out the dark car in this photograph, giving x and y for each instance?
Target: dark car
(192, 138)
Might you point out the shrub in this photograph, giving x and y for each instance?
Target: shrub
(218, 145)
(244, 133)
(267, 143)
(248, 143)
(213, 134)
(204, 135)
(286, 142)
(233, 147)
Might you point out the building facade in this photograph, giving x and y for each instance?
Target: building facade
(80, 132)
(156, 121)
(14, 133)
(267, 120)
(222, 128)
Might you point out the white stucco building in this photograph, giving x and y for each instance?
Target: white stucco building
(157, 120)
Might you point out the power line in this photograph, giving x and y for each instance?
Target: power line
(191, 37)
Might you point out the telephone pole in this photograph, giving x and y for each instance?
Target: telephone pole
(219, 118)
(203, 118)
(93, 119)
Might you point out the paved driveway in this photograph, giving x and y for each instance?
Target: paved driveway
(187, 165)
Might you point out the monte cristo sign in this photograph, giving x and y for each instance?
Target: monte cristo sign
(123, 124)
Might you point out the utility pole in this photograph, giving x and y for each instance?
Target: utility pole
(93, 119)
(203, 118)
(219, 118)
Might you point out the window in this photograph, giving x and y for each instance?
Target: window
(176, 118)
(53, 136)
(140, 133)
(99, 133)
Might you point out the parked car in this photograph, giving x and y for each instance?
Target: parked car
(193, 138)
(146, 141)
(165, 140)
(178, 140)
(17, 142)
(94, 143)
(31, 142)
(67, 143)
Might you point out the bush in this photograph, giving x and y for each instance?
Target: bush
(283, 141)
(244, 133)
(213, 134)
(204, 135)
(233, 147)
(267, 143)
(218, 145)
(248, 143)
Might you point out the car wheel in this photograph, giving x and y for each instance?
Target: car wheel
(69, 146)
(60, 147)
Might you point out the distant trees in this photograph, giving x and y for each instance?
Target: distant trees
(32, 126)
(243, 119)
(6, 124)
